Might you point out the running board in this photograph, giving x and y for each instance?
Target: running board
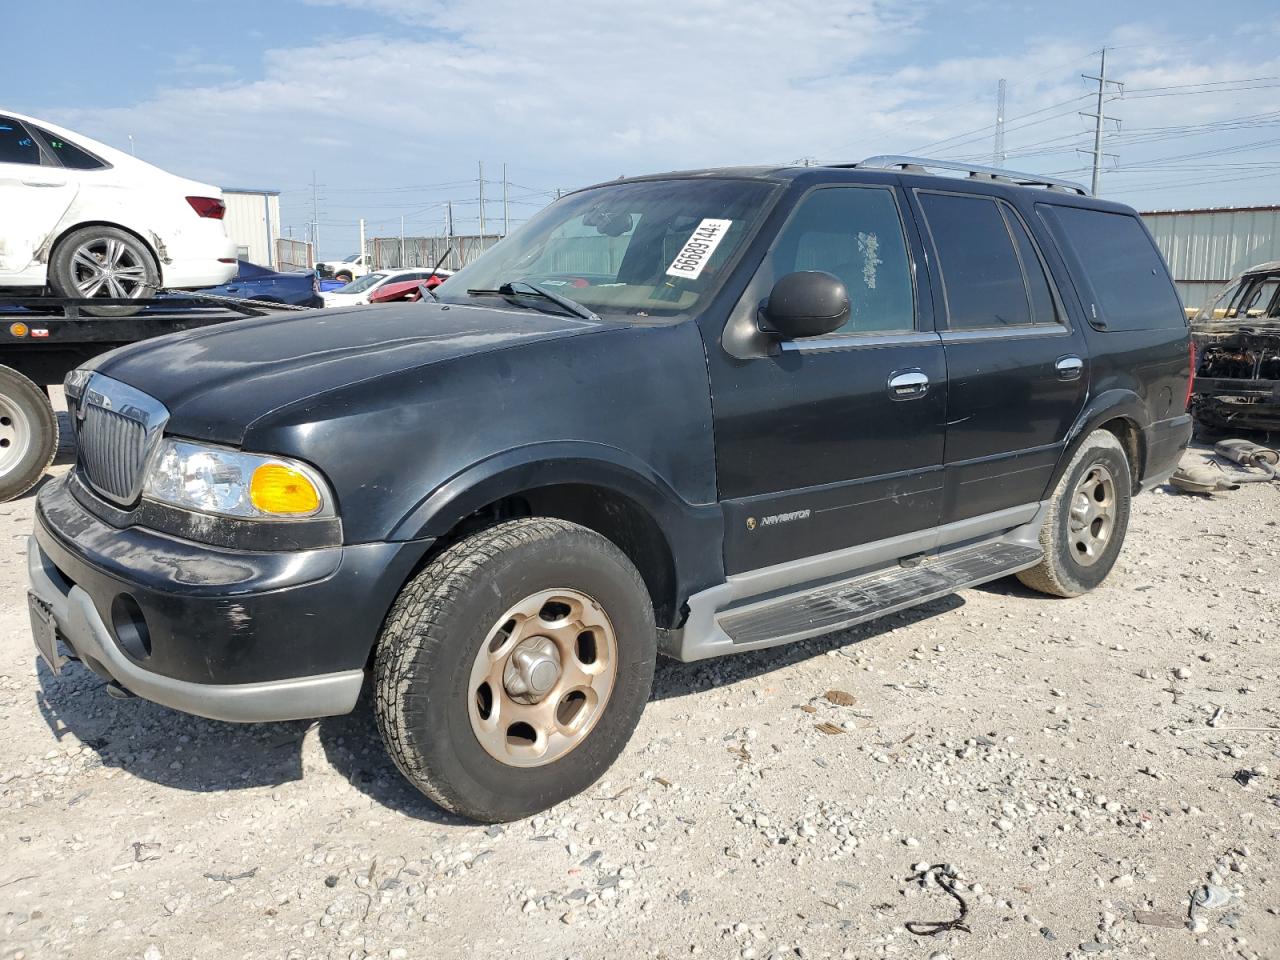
(836, 606)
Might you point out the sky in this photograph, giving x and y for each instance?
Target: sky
(389, 106)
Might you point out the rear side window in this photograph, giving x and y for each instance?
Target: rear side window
(1130, 285)
(69, 155)
(981, 274)
(16, 145)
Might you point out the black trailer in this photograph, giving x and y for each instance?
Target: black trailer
(42, 339)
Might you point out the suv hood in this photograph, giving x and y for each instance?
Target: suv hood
(216, 381)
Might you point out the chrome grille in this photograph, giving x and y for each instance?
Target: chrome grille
(117, 427)
(113, 451)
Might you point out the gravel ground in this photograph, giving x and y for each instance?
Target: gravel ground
(1082, 766)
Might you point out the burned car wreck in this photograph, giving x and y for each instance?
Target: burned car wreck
(1237, 346)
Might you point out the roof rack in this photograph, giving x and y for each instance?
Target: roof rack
(996, 174)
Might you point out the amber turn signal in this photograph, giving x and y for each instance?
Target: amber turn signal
(282, 490)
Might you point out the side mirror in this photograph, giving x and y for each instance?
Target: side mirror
(808, 303)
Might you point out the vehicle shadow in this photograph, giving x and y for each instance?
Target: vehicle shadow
(674, 679)
(185, 752)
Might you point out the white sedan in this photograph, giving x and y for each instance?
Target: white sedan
(87, 220)
(359, 291)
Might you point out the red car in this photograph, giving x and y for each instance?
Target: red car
(408, 290)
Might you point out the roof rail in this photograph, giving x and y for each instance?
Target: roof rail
(997, 174)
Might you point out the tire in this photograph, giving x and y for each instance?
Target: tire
(81, 260)
(344, 276)
(28, 433)
(430, 710)
(1068, 569)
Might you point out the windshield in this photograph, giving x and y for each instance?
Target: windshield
(351, 259)
(363, 284)
(652, 248)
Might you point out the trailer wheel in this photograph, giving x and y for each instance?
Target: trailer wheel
(28, 433)
(101, 261)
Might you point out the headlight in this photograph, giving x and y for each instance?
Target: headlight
(216, 480)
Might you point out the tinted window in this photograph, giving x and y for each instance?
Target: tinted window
(980, 271)
(16, 145)
(1131, 287)
(69, 155)
(856, 234)
(1043, 309)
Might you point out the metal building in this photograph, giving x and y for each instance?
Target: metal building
(1207, 247)
(253, 222)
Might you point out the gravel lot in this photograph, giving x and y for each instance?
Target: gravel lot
(1083, 765)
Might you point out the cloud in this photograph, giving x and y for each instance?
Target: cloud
(568, 93)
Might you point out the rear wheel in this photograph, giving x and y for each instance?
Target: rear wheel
(344, 276)
(1087, 521)
(512, 671)
(106, 262)
(28, 433)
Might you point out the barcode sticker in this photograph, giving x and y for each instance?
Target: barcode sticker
(693, 256)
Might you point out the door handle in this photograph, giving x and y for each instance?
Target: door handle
(1069, 368)
(908, 385)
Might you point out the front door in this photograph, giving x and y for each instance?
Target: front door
(34, 194)
(836, 441)
(1018, 372)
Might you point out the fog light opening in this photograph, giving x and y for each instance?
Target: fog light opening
(130, 627)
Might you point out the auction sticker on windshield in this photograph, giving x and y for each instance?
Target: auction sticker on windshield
(693, 256)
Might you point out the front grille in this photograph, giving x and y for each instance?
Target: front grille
(113, 450)
(117, 427)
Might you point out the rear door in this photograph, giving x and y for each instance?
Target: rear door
(34, 194)
(1017, 372)
(836, 441)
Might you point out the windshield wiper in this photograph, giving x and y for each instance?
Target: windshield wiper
(529, 288)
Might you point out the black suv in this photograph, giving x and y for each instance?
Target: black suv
(696, 414)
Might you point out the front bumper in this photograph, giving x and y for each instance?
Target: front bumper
(227, 634)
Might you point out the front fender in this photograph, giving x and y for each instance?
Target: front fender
(694, 532)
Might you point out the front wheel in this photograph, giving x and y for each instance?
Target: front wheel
(1088, 518)
(513, 669)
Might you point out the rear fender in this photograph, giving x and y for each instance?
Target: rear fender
(1117, 404)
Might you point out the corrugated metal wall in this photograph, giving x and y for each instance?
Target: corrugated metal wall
(253, 222)
(1206, 248)
(386, 252)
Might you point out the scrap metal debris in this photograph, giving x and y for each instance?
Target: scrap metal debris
(1259, 465)
(229, 877)
(945, 876)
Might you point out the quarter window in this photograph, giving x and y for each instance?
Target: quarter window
(981, 274)
(1119, 262)
(16, 144)
(856, 234)
(69, 155)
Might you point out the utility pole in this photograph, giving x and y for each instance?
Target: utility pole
(315, 217)
(448, 230)
(997, 157)
(362, 236)
(506, 216)
(402, 256)
(481, 165)
(1100, 118)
